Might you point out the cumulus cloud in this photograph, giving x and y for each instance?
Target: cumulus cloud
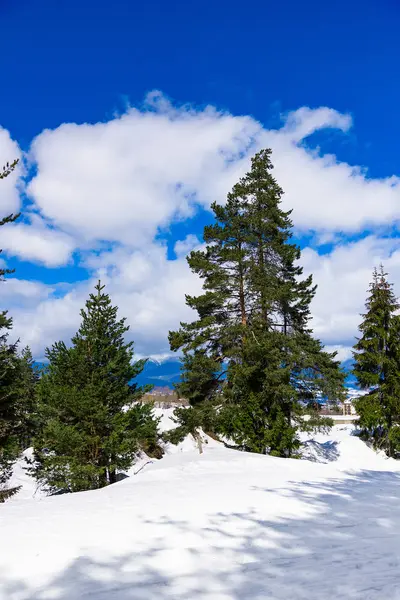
(118, 184)
(123, 179)
(9, 192)
(343, 278)
(148, 288)
(36, 242)
(183, 247)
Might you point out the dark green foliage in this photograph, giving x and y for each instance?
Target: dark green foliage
(377, 364)
(201, 377)
(28, 412)
(9, 422)
(15, 410)
(250, 353)
(8, 169)
(9, 415)
(94, 425)
(203, 415)
(6, 493)
(277, 376)
(371, 414)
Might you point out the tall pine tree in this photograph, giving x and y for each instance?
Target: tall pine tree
(377, 364)
(251, 348)
(94, 424)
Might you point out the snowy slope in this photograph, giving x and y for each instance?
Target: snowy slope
(221, 525)
(20, 478)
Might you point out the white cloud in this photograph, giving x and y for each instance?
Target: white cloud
(9, 193)
(150, 291)
(343, 278)
(125, 179)
(183, 247)
(303, 122)
(37, 242)
(343, 353)
(122, 179)
(49, 320)
(148, 288)
(24, 289)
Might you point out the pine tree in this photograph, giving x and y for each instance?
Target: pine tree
(377, 364)
(250, 348)
(216, 335)
(27, 382)
(9, 417)
(94, 424)
(8, 367)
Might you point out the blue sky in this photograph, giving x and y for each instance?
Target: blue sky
(123, 190)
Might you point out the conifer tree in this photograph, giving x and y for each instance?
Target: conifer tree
(252, 333)
(27, 381)
(9, 417)
(222, 309)
(377, 364)
(94, 424)
(8, 368)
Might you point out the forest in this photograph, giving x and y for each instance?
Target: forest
(252, 371)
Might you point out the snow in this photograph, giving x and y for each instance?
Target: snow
(222, 525)
(166, 418)
(20, 478)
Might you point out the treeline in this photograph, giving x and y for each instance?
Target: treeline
(251, 368)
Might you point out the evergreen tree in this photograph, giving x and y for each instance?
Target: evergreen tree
(27, 380)
(9, 417)
(377, 364)
(217, 334)
(8, 367)
(94, 424)
(250, 348)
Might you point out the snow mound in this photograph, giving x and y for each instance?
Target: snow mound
(222, 525)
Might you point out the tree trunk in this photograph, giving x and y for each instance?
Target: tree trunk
(199, 443)
(242, 299)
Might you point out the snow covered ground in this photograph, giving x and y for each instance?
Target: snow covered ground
(221, 525)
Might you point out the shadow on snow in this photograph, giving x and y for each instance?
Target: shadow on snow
(346, 546)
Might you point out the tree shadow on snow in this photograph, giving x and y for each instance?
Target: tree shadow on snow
(341, 541)
(322, 452)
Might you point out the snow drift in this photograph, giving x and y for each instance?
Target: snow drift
(223, 525)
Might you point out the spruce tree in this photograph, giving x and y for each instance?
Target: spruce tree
(9, 414)
(94, 424)
(251, 348)
(377, 364)
(27, 381)
(9, 420)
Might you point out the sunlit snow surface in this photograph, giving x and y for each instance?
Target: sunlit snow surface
(220, 525)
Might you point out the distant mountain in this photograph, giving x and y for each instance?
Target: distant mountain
(157, 373)
(166, 373)
(350, 380)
